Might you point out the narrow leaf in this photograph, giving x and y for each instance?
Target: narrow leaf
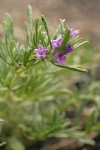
(74, 68)
(58, 30)
(62, 26)
(29, 25)
(9, 37)
(65, 39)
(36, 25)
(80, 44)
(47, 30)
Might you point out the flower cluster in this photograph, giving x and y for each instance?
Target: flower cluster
(60, 57)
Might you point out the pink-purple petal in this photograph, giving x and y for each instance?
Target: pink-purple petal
(35, 51)
(60, 58)
(43, 56)
(38, 55)
(40, 52)
(73, 32)
(56, 43)
(40, 47)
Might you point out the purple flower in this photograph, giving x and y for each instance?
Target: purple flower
(60, 58)
(68, 49)
(56, 43)
(73, 32)
(40, 52)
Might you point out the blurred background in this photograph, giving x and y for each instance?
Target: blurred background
(81, 14)
(75, 96)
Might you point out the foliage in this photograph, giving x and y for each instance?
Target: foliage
(33, 95)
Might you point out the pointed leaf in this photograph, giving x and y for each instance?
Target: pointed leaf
(47, 30)
(29, 25)
(36, 25)
(65, 39)
(58, 30)
(74, 68)
(80, 44)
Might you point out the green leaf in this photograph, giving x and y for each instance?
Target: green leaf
(8, 26)
(65, 39)
(29, 26)
(41, 37)
(36, 25)
(15, 144)
(59, 29)
(47, 30)
(26, 57)
(80, 110)
(62, 26)
(80, 44)
(4, 59)
(9, 37)
(74, 68)
(89, 122)
(29, 12)
(2, 144)
(1, 120)
(86, 141)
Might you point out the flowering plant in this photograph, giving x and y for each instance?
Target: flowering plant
(26, 85)
(41, 47)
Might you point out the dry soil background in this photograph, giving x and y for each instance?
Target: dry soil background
(81, 14)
